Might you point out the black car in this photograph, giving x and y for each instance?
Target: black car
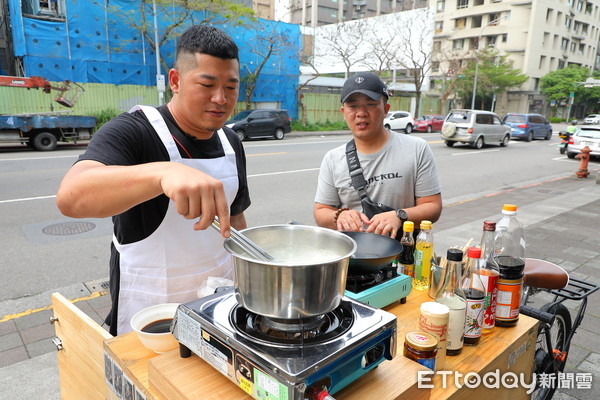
(260, 124)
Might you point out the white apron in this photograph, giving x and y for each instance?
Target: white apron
(170, 265)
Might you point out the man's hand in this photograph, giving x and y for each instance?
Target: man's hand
(352, 220)
(196, 195)
(386, 224)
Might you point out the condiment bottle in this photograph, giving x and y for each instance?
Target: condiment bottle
(452, 296)
(489, 276)
(406, 260)
(475, 292)
(433, 319)
(422, 348)
(423, 254)
(510, 233)
(510, 286)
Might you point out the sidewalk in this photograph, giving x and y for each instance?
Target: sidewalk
(561, 218)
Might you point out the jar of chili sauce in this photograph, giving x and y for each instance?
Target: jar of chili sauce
(421, 347)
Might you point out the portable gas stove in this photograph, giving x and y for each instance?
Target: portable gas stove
(380, 288)
(275, 359)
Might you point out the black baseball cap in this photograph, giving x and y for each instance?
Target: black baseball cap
(366, 83)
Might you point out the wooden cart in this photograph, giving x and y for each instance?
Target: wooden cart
(88, 350)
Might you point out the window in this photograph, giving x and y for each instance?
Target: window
(476, 21)
(579, 5)
(581, 49)
(460, 23)
(573, 47)
(536, 83)
(576, 26)
(564, 44)
(439, 26)
(478, 2)
(568, 21)
(542, 62)
(437, 46)
(548, 14)
(458, 44)
(584, 29)
(504, 37)
(462, 4)
(589, 7)
(51, 9)
(493, 17)
(561, 64)
(484, 119)
(435, 66)
(441, 5)
(491, 40)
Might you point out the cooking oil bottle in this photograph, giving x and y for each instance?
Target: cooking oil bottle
(423, 254)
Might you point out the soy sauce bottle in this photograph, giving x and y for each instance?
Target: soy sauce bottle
(472, 286)
(406, 260)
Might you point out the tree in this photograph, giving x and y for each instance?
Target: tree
(558, 86)
(264, 42)
(176, 14)
(495, 74)
(342, 42)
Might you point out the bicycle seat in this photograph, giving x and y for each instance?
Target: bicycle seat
(544, 274)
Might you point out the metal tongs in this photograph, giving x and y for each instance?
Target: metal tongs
(247, 245)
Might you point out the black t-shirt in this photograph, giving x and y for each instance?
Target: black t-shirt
(130, 139)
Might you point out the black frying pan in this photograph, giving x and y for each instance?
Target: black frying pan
(373, 251)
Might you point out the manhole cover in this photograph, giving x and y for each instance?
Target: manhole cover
(69, 228)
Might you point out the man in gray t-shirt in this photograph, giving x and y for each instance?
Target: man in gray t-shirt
(400, 170)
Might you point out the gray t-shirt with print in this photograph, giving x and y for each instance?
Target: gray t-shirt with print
(396, 175)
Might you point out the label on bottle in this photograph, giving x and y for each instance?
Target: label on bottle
(490, 282)
(456, 326)
(474, 318)
(509, 299)
(423, 260)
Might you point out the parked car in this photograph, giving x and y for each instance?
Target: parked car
(592, 119)
(586, 136)
(428, 123)
(399, 120)
(261, 123)
(528, 126)
(474, 127)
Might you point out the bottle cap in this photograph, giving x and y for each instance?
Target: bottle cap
(509, 209)
(408, 226)
(474, 252)
(426, 225)
(454, 255)
(489, 226)
(421, 340)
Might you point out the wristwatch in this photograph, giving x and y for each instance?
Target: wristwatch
(402, 216)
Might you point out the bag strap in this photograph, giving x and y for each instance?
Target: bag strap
(356, 172)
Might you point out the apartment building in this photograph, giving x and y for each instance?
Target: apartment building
(539, 36)
(323, 12)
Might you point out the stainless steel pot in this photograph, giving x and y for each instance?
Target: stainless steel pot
(308, 277)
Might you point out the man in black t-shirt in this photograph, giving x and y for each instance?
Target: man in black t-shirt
(163, 174)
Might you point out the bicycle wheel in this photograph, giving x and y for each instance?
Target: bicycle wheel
(546, 366)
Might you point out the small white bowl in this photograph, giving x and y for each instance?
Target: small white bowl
(157, 342)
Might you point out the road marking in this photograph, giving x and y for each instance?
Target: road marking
(35, 158)
(249, 176)
(27, 199)
(8, 317)
(284, 172)
(266, 154)
(472, 153)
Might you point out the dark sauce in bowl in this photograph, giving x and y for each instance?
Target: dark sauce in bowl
(160, 326)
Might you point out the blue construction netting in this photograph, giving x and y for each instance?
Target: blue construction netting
(91, 41)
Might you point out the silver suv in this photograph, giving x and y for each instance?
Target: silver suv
(474, 127)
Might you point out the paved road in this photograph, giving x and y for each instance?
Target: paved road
(560, 215)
